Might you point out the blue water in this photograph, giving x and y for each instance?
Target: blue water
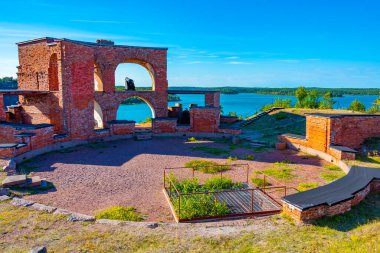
(244, 104)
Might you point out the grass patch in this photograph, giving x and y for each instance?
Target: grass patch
(206, 166)
(232, 158)
(306, 186)
(119, 213)
(281, 171)
(280, 116)
(192, 139)
(210, 150)
(259, 149)
(259, 182)
(332, 176)
(249, 157)
(332, 167)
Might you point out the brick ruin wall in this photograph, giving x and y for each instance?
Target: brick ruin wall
(347, 131)
(67, 70)
(326, 210)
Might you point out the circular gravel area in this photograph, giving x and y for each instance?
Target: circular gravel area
(130, 173)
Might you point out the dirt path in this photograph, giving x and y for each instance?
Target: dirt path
(130, 173)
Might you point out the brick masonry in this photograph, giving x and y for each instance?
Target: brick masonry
(326, 210)
(337, 130)
(74, 76)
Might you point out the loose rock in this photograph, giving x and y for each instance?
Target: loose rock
(21, 202)
(41, 207)
(80, 217)
(39, 250)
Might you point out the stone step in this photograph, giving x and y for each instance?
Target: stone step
(14, 180)
(142, 130)
(32, 182)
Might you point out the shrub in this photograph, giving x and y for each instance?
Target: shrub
(148, 120)
(188, 185)
(357, 106)
(221, 183)
(306, 186)
(259, 182)
(119, 213)
(278, 102)
(200, 205)
(206, 166)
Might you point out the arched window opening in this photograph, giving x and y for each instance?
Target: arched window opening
(130, 76)
(98, 116)
(136, 109)
(98, 83)
(53, 73)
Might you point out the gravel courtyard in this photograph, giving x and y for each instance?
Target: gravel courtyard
(130, 173)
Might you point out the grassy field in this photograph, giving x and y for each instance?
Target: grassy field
(357, 231)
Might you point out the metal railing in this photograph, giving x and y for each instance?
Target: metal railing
(240, 202)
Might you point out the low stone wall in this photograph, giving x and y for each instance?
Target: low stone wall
(164, 125)
(228, 119)
(326, 210)
(122, 127)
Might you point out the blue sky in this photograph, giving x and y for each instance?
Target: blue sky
(264, 43)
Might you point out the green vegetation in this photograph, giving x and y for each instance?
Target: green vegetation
(278, 102)
(234, 114)
(259, 182)
(148, 120)
(249, 157)
(192, 139)
(280, 116)
(355, 231)
(332, 176)
(200, 205)
(8, 83)
(306, 186)
(357, 106)
(206, 166)
(221, 183)
(119, 213)
(281, 171)
(332, 167)
(232, 158)
(336, 92)
(210, 150)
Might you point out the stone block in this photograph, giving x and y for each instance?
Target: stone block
(32, 182)
(41, 207)
(80, 217)
(14, 180)
(4, 198)
(21, 202)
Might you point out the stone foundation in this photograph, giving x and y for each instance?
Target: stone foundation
(326, 210)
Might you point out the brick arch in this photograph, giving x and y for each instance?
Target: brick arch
(110, 102)
(149, 103)
(145, 65)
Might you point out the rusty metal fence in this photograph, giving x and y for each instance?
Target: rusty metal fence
(246, 201)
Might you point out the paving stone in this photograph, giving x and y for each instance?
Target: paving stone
(80, 217)
(14, 180)
(41, 207)
(21, 202)
(4, 198)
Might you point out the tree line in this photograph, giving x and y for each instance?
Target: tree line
(312, 99)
